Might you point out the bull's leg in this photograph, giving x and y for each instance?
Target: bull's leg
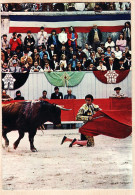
(31, 139)
(21, 135)
(4, 135)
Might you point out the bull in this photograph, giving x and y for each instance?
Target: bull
(27, 116)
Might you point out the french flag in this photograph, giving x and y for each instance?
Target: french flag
(82, 23)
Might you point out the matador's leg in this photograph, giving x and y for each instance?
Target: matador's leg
(90, 142)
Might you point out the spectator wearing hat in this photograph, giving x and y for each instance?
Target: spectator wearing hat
(29, 41)
(117, 93)
(14, 42)
(42, 37)
(18, 96)
(4, 42)
(56, 94)
(26, 59)
(94, 37)
(15, 68)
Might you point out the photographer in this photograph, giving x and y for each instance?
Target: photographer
(14, 42)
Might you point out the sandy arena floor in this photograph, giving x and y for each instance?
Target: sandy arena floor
(108, 165)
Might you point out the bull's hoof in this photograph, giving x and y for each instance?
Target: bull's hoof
(7, 149)
(15, 146)
(33, 149)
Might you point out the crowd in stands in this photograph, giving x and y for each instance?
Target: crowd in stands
(60, 52)
(97, 6)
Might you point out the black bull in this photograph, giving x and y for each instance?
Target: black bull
(27, 117)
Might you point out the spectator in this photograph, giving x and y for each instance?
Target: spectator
(118, 53)
(127, 33)
(47, 7)
(36, 68)
(110, 43)
(102, 45)
(54, 62)
(26, 59)
(14, 57)
(53, 39)
(59, 7)
(129, 61)
(123, 65)
(121, 42)
(99, 51)
(44, 51)
(102, 58)
(127, 52)
(42, 37)
(29, 51)
(6, 97)
(97, 8)
(44, 60)
(69, 95)
(18, 52)
(8, 53)
(79, 66)
(73, 61)
(94, 37)
(5, 67)
(111, 65)
(56, 94)
(71, 7)
(26, 68)
(63, 60)
(90, 6)
(93, 57)
(60, 67)
(14, 42)
(47, 67)
(101, 67)
(15, 68)
(72, 38)
(91, 67)
(108, 52)
(18, 96)
(125, 6)
(4, 42)
(69, 67)
(19, 37)
(70, 53)
(37, 58)
(62, 51)
(29, 41)
(62, 37)
(52, 51)
(2, 56)
(117, 93)
(44, 95)
(79, 6)
(117, 6)
(86, 50)
(80, 54)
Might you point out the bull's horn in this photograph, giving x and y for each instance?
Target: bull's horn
(62, 108)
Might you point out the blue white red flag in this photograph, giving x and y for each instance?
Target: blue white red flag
(81, 23)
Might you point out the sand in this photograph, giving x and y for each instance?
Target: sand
(108, 165)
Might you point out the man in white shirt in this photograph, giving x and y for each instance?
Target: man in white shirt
(42, 37)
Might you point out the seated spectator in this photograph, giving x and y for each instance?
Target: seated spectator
(69, 67)
(118, 53)
(34, 53)
(44, 95)
(44, 51)
(5, 97)
(123, 65)
(26, 68)
(18, 96)
(117, 93)
(101, 67)
(69, 95)
(14, 42)
(37, 58)
(42, 37)
(115, 60)
(93, 57)
(56, 94)
(29, 41)
(108, 52)
(84, 62)
(39, 48)
(70, 53)
(63, 60)
(2, 56)
(59, 7)
(36, 68)
(5, 67)
(52, 50)
(110, 43)
(80, 54)
(125, 6)
(102, 45)
(87, 50)
(15, 68)
(18, 52)
(129, 61)
(127, 52)
(99, 51)
(79, 66)
(14, 57)
(47, 7)
(90, 6)
(79, 6)
(71, 7)
(54, 62)
(97, 8)
(73, 61)
(8, 54)
(62, 37)
(121, 42)
(111, 6)
(29, 51)
(91, 67)
(64, 51)
(53, 39)
(102, 58)
(72, 38)
(60, 67)
(44, 60)
(4, 42)
(47, 67)
(26, 59)
(111, 65)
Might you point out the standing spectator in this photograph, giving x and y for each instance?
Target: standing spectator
(42, 37)
(44, 95)
(56, 94)
(18, 96)
(4, 42)
(29, 41)
(62, 37)
(125, 6)
(95, 37)
(110, 43)
(53, 39)
(121, 42)
(14, 42)
(127, 33)
(19, 37)
(15, 68)
(72, 38)
(69, 95)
